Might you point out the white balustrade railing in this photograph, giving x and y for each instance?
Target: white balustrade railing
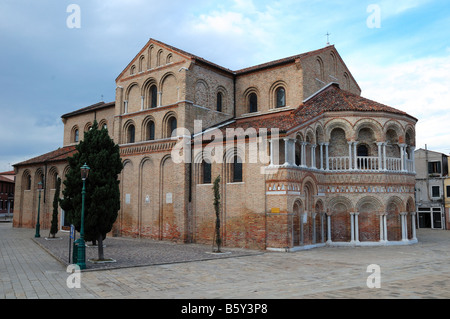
(367, 163)
(393, 164)
(341, 163)
(410, 166)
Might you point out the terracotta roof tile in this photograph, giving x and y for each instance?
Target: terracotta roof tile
(58, 155)
(6, 180)
(93, 107)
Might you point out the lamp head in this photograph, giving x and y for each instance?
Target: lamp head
(84, 172)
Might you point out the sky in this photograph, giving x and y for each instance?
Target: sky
(55, 59)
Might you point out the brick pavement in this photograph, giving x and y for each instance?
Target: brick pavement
(416, 271)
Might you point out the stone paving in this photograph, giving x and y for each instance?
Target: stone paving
(420, 271)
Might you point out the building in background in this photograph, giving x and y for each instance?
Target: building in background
(7, 182)
(432, 173)
(447, 197)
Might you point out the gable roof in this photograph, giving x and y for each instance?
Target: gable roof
(93, 107)
(271, 64)
(60, 154)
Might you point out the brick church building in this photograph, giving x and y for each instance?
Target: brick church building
(331, 167)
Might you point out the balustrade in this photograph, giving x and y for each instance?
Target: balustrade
(352, 162)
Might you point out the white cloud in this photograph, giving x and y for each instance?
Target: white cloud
(418, 87)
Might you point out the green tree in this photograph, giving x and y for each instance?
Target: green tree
(217, 237)
(102, 200)
(54, 227)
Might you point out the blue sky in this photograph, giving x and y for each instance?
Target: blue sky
(48, 69)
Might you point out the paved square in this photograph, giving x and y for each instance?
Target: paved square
(416, 271)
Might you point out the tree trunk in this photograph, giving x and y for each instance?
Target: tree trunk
(100, 247)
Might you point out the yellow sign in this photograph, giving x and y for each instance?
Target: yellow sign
(275, 210)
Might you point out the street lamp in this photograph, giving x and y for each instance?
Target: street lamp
(81, 259)
(38, 225)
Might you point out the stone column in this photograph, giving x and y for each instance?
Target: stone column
(301, 229)
(125, 107)
(329, 229)
(402, 156)
(413, 159)
(381, 227)
(413, 225)
(380, 157)
(384, 156)
(356, 228)
(352, 227)
(322, 234)
(142, 103)
(327, 161)
(321, 156)
(293, 152)
(350, 166)
(404, 226)
(385, 227)
(355, 153)
(286, 154)
(314, 227)
(303, 155)
(272, 153)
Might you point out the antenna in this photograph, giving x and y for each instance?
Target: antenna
(328, 38)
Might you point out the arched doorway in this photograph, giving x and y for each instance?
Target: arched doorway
(297, 229)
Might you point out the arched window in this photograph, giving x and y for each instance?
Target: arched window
(253, 103)
(76, 136)
(153, 96)
(28, 182)
(150, 131)
(236, 170)
(219, 101)
(158, 58)
(321, 73)
(131, 131)
(281, 97)
(206, 173)
(171, 125)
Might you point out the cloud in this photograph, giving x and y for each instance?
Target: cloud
(418, 87)
(25, 136)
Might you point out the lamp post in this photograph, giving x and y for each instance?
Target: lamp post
(81, 259)
(38, 225)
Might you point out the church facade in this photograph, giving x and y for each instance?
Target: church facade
(303, 159)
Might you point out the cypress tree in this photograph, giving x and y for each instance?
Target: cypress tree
(217, 237)
(54, 227)
(102, 200)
